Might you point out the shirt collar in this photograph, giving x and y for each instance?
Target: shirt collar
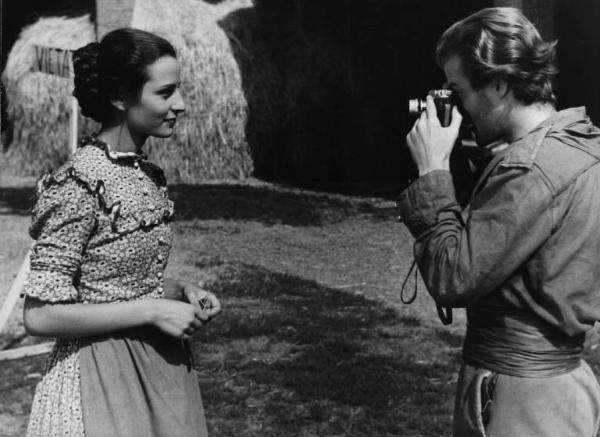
(522, 152)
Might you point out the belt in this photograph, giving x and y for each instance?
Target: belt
(519, 344)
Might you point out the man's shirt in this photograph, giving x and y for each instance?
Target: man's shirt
(529, 240)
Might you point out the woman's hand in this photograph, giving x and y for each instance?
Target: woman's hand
(177, 319)
(204, 300)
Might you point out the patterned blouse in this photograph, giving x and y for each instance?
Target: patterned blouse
(102, 235)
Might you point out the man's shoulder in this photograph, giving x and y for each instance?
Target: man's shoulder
(562, 148)
(563, 156)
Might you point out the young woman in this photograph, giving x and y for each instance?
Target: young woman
(121, 365)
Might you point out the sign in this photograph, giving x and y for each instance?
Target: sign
(52, 60)
(58, 62)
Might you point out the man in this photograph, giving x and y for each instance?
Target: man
(524, 256)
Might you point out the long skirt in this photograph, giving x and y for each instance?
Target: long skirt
(135, 382)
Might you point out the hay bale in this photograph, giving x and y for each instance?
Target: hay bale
(231, 90)
(38, 104)
(230, 87)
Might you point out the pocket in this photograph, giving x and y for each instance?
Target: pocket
(488, 387)
(484, 398)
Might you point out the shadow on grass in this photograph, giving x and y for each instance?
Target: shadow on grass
(270, 205)
(290, 357)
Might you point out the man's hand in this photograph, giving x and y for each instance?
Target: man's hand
(429, 143)
(202, 299)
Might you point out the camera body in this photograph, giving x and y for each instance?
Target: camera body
(443, 100)
(467, 157)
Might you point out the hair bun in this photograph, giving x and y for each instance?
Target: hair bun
(87, 82)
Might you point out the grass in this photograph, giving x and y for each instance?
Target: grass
(291, 357)
(313, 340)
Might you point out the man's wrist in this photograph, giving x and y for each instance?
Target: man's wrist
(428, 169)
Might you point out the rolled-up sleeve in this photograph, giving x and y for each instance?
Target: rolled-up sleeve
(462, 256)
(63, 221)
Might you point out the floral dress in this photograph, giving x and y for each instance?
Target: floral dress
(101, 225)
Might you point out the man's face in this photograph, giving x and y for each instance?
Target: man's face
(484, 106)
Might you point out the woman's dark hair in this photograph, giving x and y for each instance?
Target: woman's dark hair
(501, 43)
(115, 68)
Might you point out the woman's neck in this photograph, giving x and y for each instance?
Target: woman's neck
(121, 139)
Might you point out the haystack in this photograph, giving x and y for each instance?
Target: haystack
(38, 104)
(229, 85)
(231, 91)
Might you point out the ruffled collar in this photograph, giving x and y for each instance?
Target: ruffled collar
(93, 140)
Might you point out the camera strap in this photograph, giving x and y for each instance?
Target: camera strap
(411, 299)
(444, 313)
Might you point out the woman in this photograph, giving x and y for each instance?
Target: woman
(121, 365)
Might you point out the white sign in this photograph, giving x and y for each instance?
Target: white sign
(52, 60)
(58, 62)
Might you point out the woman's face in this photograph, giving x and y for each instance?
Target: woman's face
(160, 102)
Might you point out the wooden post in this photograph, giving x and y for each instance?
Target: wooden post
(113, 14)
(73, 122)
(14, 292)
(26, 351)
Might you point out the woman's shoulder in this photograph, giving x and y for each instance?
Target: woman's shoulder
(77, 185)
(92, 166)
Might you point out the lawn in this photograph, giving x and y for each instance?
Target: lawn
(313, 339)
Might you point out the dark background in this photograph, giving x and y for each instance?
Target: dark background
(349, 68)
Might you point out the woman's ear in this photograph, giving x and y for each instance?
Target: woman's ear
(119, 104)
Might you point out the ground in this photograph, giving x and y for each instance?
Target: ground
(313, 339)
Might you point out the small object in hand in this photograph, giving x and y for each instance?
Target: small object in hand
(203, 302)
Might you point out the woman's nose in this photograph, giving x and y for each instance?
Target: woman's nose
(178, 103)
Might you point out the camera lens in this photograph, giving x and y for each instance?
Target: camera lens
(416, 106)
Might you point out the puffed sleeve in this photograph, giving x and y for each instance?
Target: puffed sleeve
(63, 221)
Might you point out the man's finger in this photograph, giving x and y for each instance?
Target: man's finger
(456, 118)
(431, 109)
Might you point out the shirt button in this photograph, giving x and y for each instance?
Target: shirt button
(159, 275)
(160, 257)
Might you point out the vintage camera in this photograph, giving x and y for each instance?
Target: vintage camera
(467, 158)
(443, 100)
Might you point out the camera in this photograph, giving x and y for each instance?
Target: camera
(467, 159)
(443, 100)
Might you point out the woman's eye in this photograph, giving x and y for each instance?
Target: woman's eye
(166, 92)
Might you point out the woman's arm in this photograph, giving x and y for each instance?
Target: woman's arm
(177, 319)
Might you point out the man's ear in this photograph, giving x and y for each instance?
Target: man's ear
(502, 87)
